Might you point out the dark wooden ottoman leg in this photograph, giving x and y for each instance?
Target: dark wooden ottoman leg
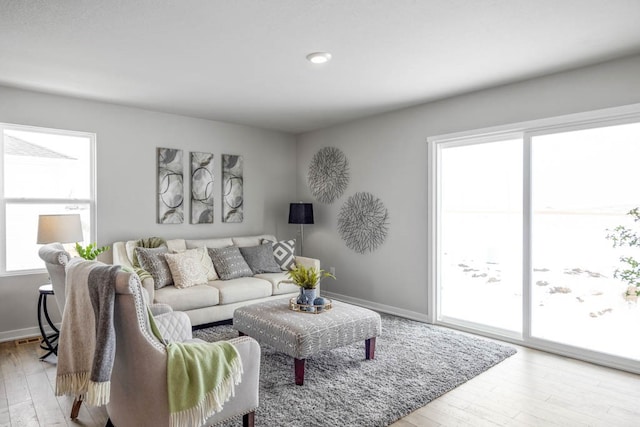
(248, 420)
(370, 348)
(299, 369)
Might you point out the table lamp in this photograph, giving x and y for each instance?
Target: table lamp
(59, 229)
(301, 213)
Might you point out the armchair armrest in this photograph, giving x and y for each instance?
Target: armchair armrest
(246, 393)
(158, 309)
(174, 326)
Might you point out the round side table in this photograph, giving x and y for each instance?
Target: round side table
(49, 341)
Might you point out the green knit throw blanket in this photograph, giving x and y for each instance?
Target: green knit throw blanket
(201, 377)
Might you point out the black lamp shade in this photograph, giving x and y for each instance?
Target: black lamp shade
(300, 213)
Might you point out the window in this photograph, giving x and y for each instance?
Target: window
(45, 171)
(520, 233)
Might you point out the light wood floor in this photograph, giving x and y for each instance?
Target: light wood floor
(531, 388)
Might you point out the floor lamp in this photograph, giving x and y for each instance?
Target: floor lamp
(301, 213)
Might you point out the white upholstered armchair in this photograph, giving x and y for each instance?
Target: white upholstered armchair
(139, 394)
(139, 377)
(55, 259)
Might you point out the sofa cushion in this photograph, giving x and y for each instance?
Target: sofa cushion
(186, 268)
(209, 243)
(242, 289)
(260, 258)
(284, 252)
(229, 263)
(152, 260)
(277, 282)
(243, 242)
(198, 296)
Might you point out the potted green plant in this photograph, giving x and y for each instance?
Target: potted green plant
(630, 273)
(91, 251)
(308, 279)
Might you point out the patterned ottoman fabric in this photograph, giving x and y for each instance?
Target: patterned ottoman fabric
(301, 335)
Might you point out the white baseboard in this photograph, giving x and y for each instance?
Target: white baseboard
(400, 312)
(23, 333)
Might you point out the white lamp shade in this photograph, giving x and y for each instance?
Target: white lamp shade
(59, 229)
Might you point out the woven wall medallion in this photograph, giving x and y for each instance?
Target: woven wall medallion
(363, 222)
(328, 175)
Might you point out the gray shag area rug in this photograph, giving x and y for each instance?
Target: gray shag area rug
(414, 364)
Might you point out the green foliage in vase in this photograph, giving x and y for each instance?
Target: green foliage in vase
(90, 252)
(630, 273)
(307, 277)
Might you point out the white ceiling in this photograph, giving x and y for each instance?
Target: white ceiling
(243, 61)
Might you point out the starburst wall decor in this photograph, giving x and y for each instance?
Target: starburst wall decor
(363, 222)
(328, 174)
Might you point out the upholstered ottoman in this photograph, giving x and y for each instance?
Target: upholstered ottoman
(301, 335)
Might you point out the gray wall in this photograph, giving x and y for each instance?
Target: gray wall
(388, 157)
(126, 171)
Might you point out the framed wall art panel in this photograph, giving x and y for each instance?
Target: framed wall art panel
(201, 188)
(232, 188)
(170, 186)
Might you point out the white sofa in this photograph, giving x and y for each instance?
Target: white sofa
(217, 300)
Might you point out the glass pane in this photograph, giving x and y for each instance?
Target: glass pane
(42, 165)
(22, 231)
(583, 184)
(481, 234)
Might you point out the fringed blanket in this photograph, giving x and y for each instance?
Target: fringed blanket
(201, 377)
(87, 337)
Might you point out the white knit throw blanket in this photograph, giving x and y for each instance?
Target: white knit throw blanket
(82, 371)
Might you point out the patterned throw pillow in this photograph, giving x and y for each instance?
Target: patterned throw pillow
(202, 255)
(284, 253)
(186, 269)
(260, 258)
(207, 263)
(229, 263)
(152, 260)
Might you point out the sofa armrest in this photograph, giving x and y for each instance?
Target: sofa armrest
(308, 262)
(120, 256)
(174, 326)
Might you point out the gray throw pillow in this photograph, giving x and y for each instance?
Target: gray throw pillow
(260, 259)
(284, 253)
(152, 260)
(229, 263)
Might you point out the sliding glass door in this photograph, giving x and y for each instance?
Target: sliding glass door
(481, 234)
(534, 240)
(583, 184)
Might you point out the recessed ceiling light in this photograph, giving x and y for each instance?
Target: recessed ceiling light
(319, 57)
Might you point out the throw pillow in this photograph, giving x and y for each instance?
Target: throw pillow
(186, 269)
(204, 259)
(153, 261)
(284, 253)
(229, 263)
(260, 258)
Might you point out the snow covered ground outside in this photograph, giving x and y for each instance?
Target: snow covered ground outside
(576, 300)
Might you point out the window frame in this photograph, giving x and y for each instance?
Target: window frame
(91, 201)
